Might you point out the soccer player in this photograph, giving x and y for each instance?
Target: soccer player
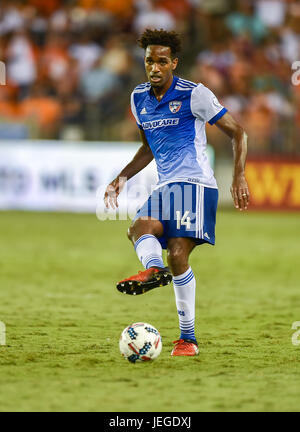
(180, 214)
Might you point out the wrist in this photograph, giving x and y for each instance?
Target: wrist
(122, 178)
(238, 175)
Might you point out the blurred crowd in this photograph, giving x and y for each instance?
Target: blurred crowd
(71, 65)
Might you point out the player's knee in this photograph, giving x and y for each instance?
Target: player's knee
(133, 232)
(130, 233)
(141, 227)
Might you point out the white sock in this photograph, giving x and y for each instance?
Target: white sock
(185, 293)
(149, 251)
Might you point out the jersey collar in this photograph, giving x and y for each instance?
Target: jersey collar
(166, 95)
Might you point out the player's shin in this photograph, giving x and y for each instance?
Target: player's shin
(185, 292)
(149, 251)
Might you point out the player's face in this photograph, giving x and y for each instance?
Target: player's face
(159, 65)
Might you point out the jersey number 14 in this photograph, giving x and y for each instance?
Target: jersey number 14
(184, 220)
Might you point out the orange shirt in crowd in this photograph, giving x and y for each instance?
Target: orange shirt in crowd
(121, 8)
(260, 123)
(9, 105)
(178, 8)
(45, 7)
(43, 109)
(9, 110)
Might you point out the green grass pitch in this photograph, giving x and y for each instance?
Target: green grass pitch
(64, 316)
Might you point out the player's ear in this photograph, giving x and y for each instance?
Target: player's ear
(174, 63)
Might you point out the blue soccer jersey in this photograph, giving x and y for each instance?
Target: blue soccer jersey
(175, 129)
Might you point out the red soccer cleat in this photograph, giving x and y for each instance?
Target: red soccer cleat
(145, 281)
(185, 347)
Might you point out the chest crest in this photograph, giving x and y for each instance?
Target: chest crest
(175, 106)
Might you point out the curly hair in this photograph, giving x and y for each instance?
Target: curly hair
(161, 37)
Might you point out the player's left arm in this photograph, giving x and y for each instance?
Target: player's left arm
(239, 188)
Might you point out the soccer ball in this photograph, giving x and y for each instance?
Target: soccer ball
(140, 342)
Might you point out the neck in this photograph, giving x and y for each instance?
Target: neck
(160, 91)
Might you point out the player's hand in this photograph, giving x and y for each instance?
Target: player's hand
(112, 192)
(240, 192)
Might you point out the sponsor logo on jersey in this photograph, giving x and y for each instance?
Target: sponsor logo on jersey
(175, 106)
(160, 123)
(144, 111)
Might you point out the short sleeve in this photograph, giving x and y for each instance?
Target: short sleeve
(205, 105)
(133, 110)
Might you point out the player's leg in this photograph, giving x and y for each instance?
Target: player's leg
(144, 225)
(144, 233)
(191, 223)
(184, 282)
(178, 252)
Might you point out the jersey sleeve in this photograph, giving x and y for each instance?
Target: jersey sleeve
(205, 105)
(133, 110)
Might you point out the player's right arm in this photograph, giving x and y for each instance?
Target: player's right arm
(141, 159)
